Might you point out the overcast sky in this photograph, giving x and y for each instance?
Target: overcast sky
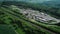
(34, 0)
(28, 0)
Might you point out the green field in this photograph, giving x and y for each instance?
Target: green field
(6, 29)
(17, 23)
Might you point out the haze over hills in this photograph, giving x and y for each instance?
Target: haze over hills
(54, 3)
(31, 1)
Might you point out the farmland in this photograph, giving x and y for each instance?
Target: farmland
(6, 29)
(19, 24)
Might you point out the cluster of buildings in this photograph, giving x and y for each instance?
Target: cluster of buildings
(37, 15)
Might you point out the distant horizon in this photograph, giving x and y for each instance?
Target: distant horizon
(27, 0)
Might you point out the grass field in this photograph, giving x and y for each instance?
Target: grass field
(6, 29)
(16, 23)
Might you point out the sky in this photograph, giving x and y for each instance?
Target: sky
(27, 0)
(39, 1)
(35, 0)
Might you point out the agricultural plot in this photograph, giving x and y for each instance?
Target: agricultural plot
(22, 25)
(6, 29)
